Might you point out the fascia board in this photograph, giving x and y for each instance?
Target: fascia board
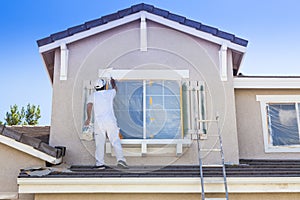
(29, 150)
(266, 83)
(90, 32)
(133, 17)
(158, 185)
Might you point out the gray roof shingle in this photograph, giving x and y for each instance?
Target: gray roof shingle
(137, 8)
(35, 136)
(246, 168)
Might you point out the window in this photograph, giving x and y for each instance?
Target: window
(155, 107)
(280, 115)
(149, 109)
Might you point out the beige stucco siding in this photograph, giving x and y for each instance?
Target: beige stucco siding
(258, 196)
(249, 124)
(12, 161)
(120, 48)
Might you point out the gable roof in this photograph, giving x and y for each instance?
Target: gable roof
(32, 140)
(48, 44)
(137, 8)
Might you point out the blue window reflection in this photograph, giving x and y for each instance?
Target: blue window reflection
(162, 114)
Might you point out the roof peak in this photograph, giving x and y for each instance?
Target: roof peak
(138, 8)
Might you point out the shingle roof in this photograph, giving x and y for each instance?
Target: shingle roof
(137, 8)
(39, 132)
(34, 136)
(246, 168)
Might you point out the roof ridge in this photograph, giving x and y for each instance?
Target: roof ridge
(137, 8)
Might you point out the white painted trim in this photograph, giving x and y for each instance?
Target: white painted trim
(223, 62)
(155, 141)
(90, 32)
(143, 34)
(145, 74)
(158, 185)
(266, 82)
(177, 144)
(9, 195)
(278, 98)
(29, 150)
(64, 61)
(136, 16)
(264, 100)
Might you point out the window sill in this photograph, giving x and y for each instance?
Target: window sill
(143, 147)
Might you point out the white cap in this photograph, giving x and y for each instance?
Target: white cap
(99, 83)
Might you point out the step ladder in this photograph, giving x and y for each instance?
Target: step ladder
(219, 137)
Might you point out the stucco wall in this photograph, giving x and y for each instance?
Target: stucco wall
(258, 196)
(249, 124)
(12, 161)
(119, 48)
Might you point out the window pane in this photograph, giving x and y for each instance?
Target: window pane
(128, 107)
(283, 125)
(163, 110)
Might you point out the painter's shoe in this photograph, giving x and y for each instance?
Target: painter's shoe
(122, 164)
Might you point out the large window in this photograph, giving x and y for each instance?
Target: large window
(149, 109)
(155, 107)
(280, 114)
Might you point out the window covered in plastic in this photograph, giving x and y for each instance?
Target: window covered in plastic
(283, 123)
(149, 109)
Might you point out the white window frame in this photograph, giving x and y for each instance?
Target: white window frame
(266, 99)
(150, 74)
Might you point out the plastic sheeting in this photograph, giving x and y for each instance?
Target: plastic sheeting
(283, 123)
(158, 117)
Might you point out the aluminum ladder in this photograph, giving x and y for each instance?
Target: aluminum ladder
(219, 137)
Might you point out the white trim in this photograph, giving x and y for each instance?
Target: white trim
(266, 82)
(158, 185)
(278, 98)
(143, 34)
(145, 74)
(64, 61)
(136, 16)
(175, 144)
(29, 150)
(223, 62)
(144, 114)
(264, 100)
(90, 32)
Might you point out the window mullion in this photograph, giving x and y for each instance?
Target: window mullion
(144, 111)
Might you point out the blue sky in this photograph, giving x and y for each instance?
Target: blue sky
(272, 28)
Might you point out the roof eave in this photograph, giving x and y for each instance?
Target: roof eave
(266, 82)
(29, 150)
(127, 19)
(158, 185)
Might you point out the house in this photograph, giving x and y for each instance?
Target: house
(177, 79)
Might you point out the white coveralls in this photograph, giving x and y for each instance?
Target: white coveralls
(105, 123)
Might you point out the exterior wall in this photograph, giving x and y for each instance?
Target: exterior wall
(249, 124)
(120, 48)
(264, 196)
(11, 162)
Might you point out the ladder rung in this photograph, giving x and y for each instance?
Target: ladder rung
(215, 165)
(217, 150)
